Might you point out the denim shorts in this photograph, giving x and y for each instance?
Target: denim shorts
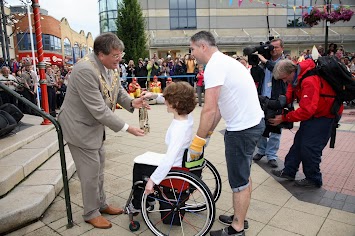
(239, 149)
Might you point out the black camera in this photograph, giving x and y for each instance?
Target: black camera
(263, 49)
(271, 108)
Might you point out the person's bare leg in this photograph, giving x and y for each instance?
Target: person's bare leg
(241, 201)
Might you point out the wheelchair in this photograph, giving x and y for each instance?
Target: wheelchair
(184, 202)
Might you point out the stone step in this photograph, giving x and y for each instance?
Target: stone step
(30, 199)
(28, 130)
(22, 162)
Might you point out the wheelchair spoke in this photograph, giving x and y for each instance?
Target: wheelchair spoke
(177, 199)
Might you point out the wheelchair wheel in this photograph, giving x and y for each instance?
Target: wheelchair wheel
(210, 176)
(212, 179)
(178, 198)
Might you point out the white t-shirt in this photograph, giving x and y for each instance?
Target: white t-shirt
(178, 138)
(238, 101)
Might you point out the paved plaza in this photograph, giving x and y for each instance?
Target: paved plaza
(275, 208)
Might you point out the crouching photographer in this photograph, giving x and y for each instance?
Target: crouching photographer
(272, 108)
(262, 65)
(316, 98)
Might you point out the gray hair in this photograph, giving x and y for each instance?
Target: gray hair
(204, 36)
(106, 42)
(283, 67)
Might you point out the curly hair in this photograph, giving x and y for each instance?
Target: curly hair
(181, 96)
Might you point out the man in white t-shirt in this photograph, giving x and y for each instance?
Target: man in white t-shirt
(230, 94)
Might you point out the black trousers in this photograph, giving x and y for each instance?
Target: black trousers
(140, 171)
(51, 100)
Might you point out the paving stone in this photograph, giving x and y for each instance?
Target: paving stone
(262, 211)
(297, 222)
(27, 229)
(269, 195)
(349, 207)
(350, 199)
(274, 231)
(337, 204)
(342, 216)
(329, 194)
(340, 197)
(310, 208)
(44, 231)
(326, 202)
(332, 227)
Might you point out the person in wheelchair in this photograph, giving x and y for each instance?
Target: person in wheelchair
(180, 101)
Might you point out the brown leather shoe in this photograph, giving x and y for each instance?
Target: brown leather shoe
(100, 222)
(112, 210)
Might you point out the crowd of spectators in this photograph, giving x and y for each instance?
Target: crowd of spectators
(167, 70)
(21, 78)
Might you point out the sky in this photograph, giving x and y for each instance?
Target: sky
(81, 14)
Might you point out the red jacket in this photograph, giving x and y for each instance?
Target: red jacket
(311, 103)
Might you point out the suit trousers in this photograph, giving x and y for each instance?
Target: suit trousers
(90, 165)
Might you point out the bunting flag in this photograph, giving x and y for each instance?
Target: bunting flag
(309, 8)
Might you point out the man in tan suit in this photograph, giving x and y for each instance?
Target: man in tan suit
(88, 107)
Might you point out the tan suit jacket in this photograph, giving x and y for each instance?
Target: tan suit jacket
(86, 110)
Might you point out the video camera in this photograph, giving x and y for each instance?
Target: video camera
(263, 49)
(271, 108)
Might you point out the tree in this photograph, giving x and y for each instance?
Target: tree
(131, 29)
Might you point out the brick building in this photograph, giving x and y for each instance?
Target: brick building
(61, 44)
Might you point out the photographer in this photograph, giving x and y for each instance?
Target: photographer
(316, 118)
(271, 88)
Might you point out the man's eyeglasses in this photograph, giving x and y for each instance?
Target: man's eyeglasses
(121, 55)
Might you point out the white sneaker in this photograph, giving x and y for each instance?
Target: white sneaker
(130, 209)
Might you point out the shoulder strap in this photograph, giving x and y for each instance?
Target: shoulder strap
(307, 74)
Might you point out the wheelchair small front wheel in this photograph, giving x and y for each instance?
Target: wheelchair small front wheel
(134, 226)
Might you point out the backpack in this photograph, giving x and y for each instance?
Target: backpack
(7, 123)
(340, 79)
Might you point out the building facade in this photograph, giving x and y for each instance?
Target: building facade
(61, 44)
(171, 23)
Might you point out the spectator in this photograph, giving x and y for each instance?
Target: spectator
(190, 68)
(316, 118)
(200, 85)
(271, 88)
(51, 90)
(9, 80)
(141, 73)
(332, 49)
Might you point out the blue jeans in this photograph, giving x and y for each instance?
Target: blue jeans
(307, 148)
(239, 149)
(269, 146)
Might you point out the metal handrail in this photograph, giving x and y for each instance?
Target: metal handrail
(61, 148)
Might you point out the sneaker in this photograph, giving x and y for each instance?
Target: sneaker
(306, 183)
(273, 163)
(227, 220)
(130, 209)
(224, 232)
(281, 174)
(257, 157)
